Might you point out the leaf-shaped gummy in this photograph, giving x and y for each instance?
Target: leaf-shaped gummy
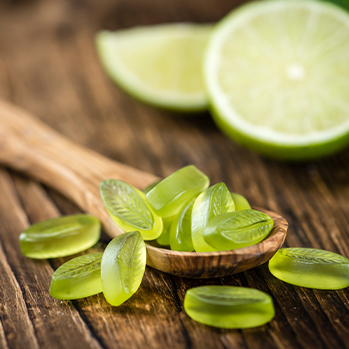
(123, 266)
(227, 296)
(128, 208)
(310, 267)
(130, 258)
(211, 202)
(126, 203)
(80, 266)
(237, 229)
(78, 278)
(228, 306)
(313, 255)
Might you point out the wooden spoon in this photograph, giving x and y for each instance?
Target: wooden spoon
(28, 145)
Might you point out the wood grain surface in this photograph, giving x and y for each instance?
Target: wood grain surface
(49, 66)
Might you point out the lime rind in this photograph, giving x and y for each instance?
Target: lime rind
(157, 52)
(259, 137)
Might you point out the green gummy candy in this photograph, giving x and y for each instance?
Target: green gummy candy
(147, 189)
(128, 208)
(209, 204)
(59, 237)
(310, 267)
(228, 306)
(240, 202)
(164, 238)
(238, 229)
(180, 235)
(78, 278)
(167, 197)
(123, 266)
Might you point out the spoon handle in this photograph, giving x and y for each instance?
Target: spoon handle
(31, 147)
(27, 145)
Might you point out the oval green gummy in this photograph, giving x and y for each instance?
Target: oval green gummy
(59, 237)
(180, 235)
(164, 238)
(228, 306)
(238, 229)
(309, 267)
(78, 278)
(167, 197)
(240, 202)
(209, 204)
(128, 208)
(123, 266)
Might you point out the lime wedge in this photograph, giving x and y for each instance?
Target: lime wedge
(277, 76)
(160, 65)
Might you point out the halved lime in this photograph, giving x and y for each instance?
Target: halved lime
(277, 76)
(160, 65)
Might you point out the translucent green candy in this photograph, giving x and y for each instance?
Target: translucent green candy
(147, 189)
(128, 208)
(209, 204)
(180, 236)
(167, 197)
(78, 278)
(232, 230)
(240, 202)
(59, 237)
(309, 267)
(228, 306)
(123, 266)
(164, 238)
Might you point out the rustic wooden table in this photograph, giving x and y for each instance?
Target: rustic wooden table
(48, 65)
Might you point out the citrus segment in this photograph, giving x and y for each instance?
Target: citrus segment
(160, 65)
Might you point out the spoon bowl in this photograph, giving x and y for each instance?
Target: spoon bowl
(30, 146)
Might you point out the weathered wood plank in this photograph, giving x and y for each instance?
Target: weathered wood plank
(28, 308)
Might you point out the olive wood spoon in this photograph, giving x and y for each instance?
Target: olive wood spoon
(29, 146)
